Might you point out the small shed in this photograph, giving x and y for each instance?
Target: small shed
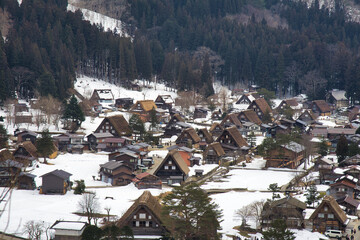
(55, 182)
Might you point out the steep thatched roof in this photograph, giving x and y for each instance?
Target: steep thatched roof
(207, 135)
(231, 118)
(217, 148)
(334, 208)
(251, 116)
(262, 104)
(236, 135)
(146, 105)
(322, 105)
(147, 201)
(289, 200)
(30, 148)
(175, 155)
(119, 123)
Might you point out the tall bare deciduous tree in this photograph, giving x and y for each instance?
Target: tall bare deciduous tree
(90, 206)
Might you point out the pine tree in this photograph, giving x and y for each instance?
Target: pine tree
(45, 145)
(153, 118)
(342, 148)
(137, 126)
(190, 214)
(274, 188)
(278, 231)
(312, 195)
(323, 148)
(73, 112)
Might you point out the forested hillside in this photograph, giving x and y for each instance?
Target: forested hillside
(284, 46)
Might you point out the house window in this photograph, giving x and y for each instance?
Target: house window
(325, 209)
(149, 216)
(330, 215)
(137, 223)
(142, 215)
(166, 167)
(147, 224)
(170, 162)
(321, 215)
(134, 216)
(173, 167)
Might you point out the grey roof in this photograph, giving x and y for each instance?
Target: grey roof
(339, 95)
(59, 173)
(102, 135)
(186, 149)
(282, 126)
(345, 131)
(173, 147)
(111, 165)
(142, 144)
(293, 146)
(301, 122)
(11, 163)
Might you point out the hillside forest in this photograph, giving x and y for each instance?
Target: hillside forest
(284, 46)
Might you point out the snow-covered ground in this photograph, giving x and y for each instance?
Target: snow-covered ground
(108, 23)
(250, 179)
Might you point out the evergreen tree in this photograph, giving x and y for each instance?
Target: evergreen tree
(312, 195)
(153, 118)
(342, 148)
(3, 137)
(137, 126)
(45, 145)
(251, 139)
(80, 187)
(190, 214)
(274, 188)
(91, 232)
(353, 149)
(73, 112)
(278, 231)
(323, 148)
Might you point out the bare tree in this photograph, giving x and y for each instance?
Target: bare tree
(90, 206)
(108, 209)
(34, 230)
(244, 213)
(256, 211)
(223, 98)
(10, 110)
(313, 82)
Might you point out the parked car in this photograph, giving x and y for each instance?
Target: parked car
(333, 233)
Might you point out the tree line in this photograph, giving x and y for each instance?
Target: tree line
(187, 44)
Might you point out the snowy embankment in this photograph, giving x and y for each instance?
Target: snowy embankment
(107, 23)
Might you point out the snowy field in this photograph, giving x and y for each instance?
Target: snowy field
(250, 179)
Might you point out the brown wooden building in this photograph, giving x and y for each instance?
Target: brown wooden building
(116, 125)
(249, 116)
(288, 209)
(144, 218)
(116, 173)
(321, 107)
(260, 106)
(231, 120)
(146, 180)
(216, 129)
(143, 109)
(188, 138)
(213, 153)
(328, 215)
(231, 140)
(172, 169)
(290, 155)
(55, 182)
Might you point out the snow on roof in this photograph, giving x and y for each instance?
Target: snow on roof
(104, 94)
(338, 95)
(69, 225)
(295, 147)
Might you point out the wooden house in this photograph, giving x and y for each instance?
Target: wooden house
(325, 168)
(68, 230)
(66, 141)
(26, 152)
(337, 98)
(23, 117)
(248, 98)
(26, 181)
(55, 182)
(172, 169)
(231, 140)
(216, 115)
(164, 102)
(288, 209)
(144, 218)
(320, 107)
(124, 103)
(205, 138)
(216, 129)
(116, 173)
(9, 172)
(231, 120)
(127, 157)
(25, 135)
(102, 96)
(94, 139)
(289, 155)
(146, 180)
(116, 125)
(21, 107)
(188, 138)
(249, 116)
(261, 107)
(175, 126)
(213, 153)
(279, 129)
(143, 109)
(353, 171)
(307, 116)
(350, 204)
(111, 144)
(345, 185)
(288, 104)
(200, 112)
(328, 215)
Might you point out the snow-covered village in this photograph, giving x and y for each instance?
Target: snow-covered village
(143, 143)
(183, 120)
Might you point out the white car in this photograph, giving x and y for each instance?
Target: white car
(333, 233)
